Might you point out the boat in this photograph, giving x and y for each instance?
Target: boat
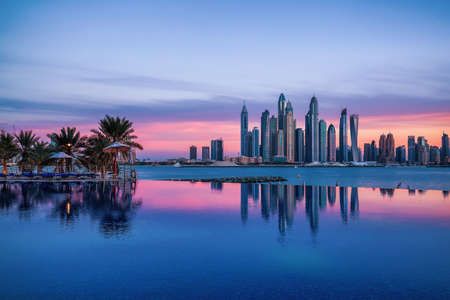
(177, 165)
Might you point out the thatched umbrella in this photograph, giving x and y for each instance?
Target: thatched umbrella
(60, 155)
(116, 147)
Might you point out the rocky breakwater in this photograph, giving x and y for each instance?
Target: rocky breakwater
(257, 179)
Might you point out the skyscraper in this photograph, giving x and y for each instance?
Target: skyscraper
(367, 153)
(255, 142)
(244, 129)
(312, 131)
(217, 149)
(382, 148)
(265, 135)
(205, 153)
(249, 144)
(445, 148)
(354, 120)
(322, 141)
(373, 152)
(390, 147)
(281, 111)
(299, 145)
(273, 136)
(411, 149)
(343, 136)
(193, 153)
(400, 154)
(290, 133)
(280, 143)
(331, 143)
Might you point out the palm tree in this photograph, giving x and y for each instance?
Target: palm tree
(8, 149)
(68, 140)
(94, 157)
(26, 141)
(40, 155)
(117, 130)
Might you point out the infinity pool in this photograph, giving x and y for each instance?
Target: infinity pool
(178, 240)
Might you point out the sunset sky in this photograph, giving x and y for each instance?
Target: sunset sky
(180, 70)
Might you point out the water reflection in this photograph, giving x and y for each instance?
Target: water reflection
(111, 204)
(281, 201)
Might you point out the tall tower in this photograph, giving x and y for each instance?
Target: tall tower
(312, 131)
(290, 133)
(343, 155)
(411, 149)
(281, 111)
(354, 120)
(445, 148)
(322, 141)
(273, 136)
(244, 130)
(265, 135)
(299, 145)
(390, 147)
(331, 143)
(382, 148)
(255, 142)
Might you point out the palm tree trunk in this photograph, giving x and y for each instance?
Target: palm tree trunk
(5, 167)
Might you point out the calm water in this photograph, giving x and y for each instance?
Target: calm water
(183, 240)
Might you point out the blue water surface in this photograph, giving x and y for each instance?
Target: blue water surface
(182, 240)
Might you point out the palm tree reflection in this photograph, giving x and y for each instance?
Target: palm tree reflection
(111, 204)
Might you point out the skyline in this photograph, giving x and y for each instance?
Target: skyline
(187, 68)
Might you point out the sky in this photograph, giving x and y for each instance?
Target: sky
(181, 70)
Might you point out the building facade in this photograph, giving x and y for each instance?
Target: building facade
(343, 156)
(331, 143)
(290, 134)
(322, 141)
(255, 142)
(354, 122)
(265, 136)
(244, 130)
(312, 131)
(205, 153)
(299, 145)
(193, 153)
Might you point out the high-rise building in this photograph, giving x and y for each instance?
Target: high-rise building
(213, 150)
(249, 144)
(193, 153)
(281, 111)
(280, 143)
(445, 150)
(354, 120)
(400, 154)
(244, 130)
(265, 136)
(435, 154)
(312, 131)
(331, 143)
(390, 146)
(217, 149)
(255, 142)
(299, 145)
(205, 153)
(411, 149)
(382, 148)
(367, 153)
(290, 133)
(322, 141)
(343, 136)
(273, 136)
(373, 152)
